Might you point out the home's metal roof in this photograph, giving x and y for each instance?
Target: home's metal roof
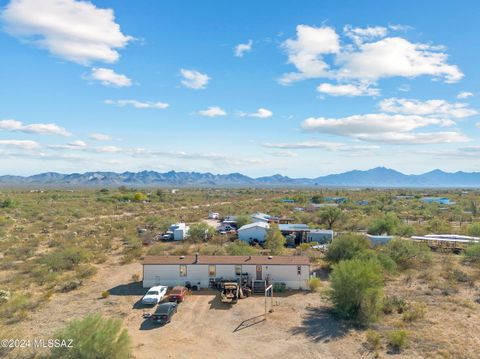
(254, 224)
(293, 227)
(255, 260)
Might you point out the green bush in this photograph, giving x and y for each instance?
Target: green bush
(94, 337)
(275, 241)
(474, 229)
(346, 247)
(373, 340)
(472, 254)
(386, 225)
(392, 304)
(65, 258)
(398, 340)
(105, 294)
(240, 248)
(357, 289)
(407, 254)
(314, 284)
(414, 313)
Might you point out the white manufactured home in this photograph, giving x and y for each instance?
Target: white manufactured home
(198, 270)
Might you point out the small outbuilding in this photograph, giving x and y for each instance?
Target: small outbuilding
(253, 232)
(322, 236)
(200, 270)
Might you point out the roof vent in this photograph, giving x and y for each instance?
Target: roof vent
(270, 257)
(182, 257)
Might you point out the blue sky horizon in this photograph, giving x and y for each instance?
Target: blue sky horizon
(300, 88)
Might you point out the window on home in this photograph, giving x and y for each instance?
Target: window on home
(183, 271)
(299, 270)
(212, 270)
(238, 269)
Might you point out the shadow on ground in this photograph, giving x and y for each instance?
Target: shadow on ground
(216, 304)
(149, 324)
(134, 288)
(320, 324)
(247, 323)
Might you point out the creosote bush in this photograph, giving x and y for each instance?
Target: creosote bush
(346, 247)
(314, 284)
(398, 340)
(472, 255)
(94, 337)
(373, 340)
(357, 289)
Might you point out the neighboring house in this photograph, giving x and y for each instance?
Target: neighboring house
(439, 200)
(230, 220)
(377, 240)
(295, 232)
(253, 232)
(337, 200)
(321, 236)
(198, 270)
(260, 217)
(363, 202)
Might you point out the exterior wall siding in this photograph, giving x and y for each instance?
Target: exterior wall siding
(197, 274)
(250, 234)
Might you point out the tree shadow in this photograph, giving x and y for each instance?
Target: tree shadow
(320, 324)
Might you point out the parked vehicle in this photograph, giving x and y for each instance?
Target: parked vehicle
(164, 312)
(178, 294)
(154, 295)
(231, 292)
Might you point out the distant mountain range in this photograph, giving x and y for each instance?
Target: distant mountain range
(376, 177)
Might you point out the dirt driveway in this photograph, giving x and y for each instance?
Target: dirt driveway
(205, 327)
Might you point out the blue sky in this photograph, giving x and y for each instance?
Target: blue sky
(301, 88)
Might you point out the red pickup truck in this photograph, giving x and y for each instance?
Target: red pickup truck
(178, 294)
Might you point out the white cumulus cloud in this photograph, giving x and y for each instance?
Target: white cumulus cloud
(37, 128)
(194, 79)
(350, 90)
(388, 128)
(260, 113)
(138, 104)
(464, 94)
(241, 49)
(360, 35)
(77, 31)
(108, 77)
(100, 137)
(212, 111)
(21, 144)
(427, 108)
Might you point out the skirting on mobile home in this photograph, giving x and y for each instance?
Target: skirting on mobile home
(198, 270)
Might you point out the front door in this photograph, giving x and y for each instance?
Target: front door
(259, 272)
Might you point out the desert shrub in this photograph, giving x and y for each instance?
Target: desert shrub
(4, 296)
(8, 203)
(392, 304)
(43, 275)
(69, 285)
(386, 225)
(385, 261)
(275, 241)
(474, 229)
(373, 340)
(414, 313)
(135, 277)
(85, 271)
(105, 294)
(356, 289)
(160, 248)
(211, 249)
(65, 258)
(94, 337)
(201, 232)
(472, 254)
(346, 247)
(460, 276)
(240, 248)
(314, 284)
(17, 308)
(407, 254)
(398, 340)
